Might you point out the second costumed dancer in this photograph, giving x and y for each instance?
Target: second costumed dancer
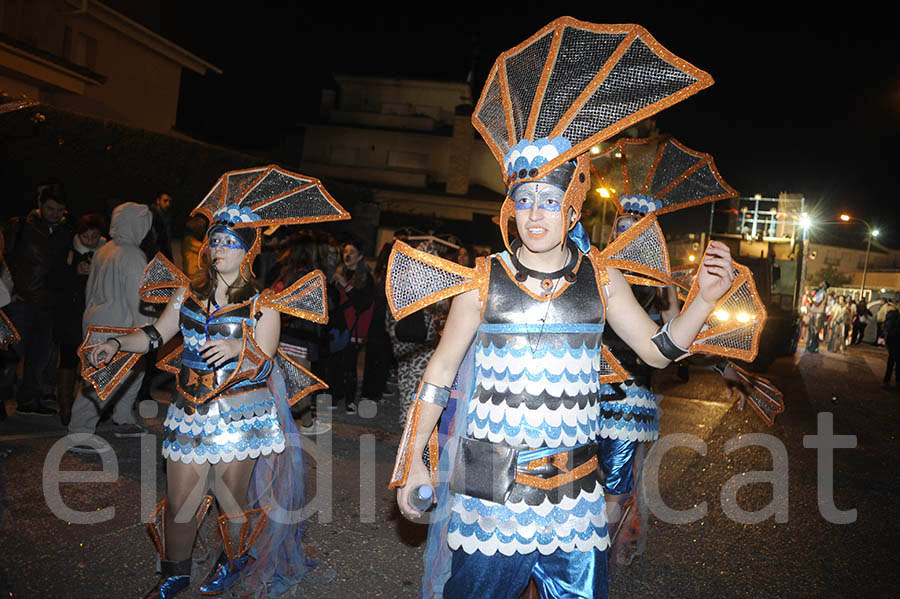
(519, 491)
(230, 418)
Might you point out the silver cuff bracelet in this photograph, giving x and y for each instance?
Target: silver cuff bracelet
(433, 394)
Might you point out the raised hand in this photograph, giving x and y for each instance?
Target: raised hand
(716, 272)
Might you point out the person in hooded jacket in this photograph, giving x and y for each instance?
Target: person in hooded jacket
(112, 299)
(72, 283)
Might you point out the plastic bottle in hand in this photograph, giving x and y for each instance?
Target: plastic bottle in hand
(422, 498)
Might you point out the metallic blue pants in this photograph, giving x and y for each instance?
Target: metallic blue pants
(617, 462)
(560, 575)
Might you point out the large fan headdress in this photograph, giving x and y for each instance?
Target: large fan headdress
(260, 197)
(659, 175)
(568, 87)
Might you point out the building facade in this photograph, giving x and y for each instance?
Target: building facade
(412, 143)
(84, 56)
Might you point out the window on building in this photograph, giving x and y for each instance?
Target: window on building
(832, 259)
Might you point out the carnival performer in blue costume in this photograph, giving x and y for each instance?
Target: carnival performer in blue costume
(519, 492)
(657, 175)
(231, 413)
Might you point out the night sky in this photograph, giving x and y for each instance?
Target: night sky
(804, 100)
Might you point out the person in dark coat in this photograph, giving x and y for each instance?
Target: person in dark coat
(36, 248)
(351, 293)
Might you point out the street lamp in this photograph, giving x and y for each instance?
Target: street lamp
(872, 233)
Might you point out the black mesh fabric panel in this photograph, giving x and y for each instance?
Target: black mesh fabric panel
(674, 162)
(638, 80)
(491, 115)
(581, 55)
(273, 184)
(702, 183)
(523, 72)
(306, 203)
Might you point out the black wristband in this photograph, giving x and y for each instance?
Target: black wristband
(153, 337)
(118, 344)
(666, 345)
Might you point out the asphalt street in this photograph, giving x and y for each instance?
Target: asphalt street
(364, 548)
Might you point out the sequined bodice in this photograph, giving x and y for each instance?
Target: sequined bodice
(196, 377)
(537, 362)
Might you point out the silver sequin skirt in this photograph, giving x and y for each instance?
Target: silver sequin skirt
(235, 427)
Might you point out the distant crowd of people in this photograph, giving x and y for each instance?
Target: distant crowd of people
(61, 279)
(839, 321)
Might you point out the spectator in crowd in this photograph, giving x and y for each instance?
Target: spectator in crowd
(36, 249)
(838, 320)
(329, 256)
(378, 346)
(892, 341)
(113, 300)
(301, 339)
(887, 306)
(194, 233)
(163, 217)
(817, 308)
(87, 240)
(413, 339)
(465, 256)
(863, 315)
(351, 294)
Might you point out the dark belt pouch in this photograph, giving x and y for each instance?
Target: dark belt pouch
(484, 470)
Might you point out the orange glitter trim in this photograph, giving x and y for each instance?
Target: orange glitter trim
(316, 386)
(715, 328)
(277, 301)
(166, 363)
(407, 442)
(181, 280)
(756, 381)
(619, 372)
(558, 26)
(565, 478)
(399, 247)
(246, 536)
(88, 372)
(646, 223)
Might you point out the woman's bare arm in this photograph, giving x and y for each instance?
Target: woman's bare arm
(462, 323)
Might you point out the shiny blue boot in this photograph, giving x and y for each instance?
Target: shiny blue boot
(176, 577)
(226, 573)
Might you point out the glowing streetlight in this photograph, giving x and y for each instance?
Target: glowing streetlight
(692, 257)
(595, 150)
(872, 233)
(805, 221)
(604, 192)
